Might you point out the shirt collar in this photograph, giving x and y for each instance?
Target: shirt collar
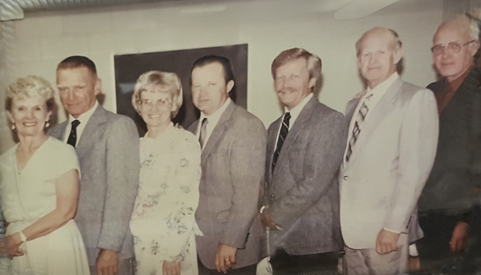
(215, 116)
(297, 110)
(84, 118)
(380, 89)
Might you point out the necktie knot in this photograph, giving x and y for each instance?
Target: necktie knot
(287, 117)
(75, 123)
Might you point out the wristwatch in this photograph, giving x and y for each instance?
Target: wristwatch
(22, 236)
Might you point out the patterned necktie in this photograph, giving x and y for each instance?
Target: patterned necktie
(203, 132)
(282, 136)
(356, 130)
(72, 137)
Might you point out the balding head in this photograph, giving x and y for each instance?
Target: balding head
(377, 32)
(460, 24)
(378, 52)
(454, 45)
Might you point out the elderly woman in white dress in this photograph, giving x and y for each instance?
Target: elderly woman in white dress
(39, 187)
(163, 222)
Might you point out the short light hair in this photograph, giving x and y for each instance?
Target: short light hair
(314, 63)
(25, 87)
(168, 83)
(396, 41)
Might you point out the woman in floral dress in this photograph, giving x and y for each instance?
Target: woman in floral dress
(163, 222)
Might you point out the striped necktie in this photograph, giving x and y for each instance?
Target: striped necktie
(356, 130)
(282, 136)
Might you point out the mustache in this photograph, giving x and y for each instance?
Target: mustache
(288, 90)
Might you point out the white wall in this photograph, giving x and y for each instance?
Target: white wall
(268, 27)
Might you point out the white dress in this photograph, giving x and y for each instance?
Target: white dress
(28, 195)
(163, 222)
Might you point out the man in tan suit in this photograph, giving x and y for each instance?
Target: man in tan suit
(390, 151)
(233, 145)
(107, 146)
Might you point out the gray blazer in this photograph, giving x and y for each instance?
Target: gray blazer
(232, 173)
(302, 192)
(108, 152)
(389, 166)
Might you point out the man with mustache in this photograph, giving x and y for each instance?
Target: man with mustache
(390, 151)
(304, 151)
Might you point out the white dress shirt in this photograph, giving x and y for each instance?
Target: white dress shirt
(377, 94)
(294, 114)
(83, 118)
(212, 119)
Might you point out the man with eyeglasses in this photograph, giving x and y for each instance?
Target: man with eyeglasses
(444, 205)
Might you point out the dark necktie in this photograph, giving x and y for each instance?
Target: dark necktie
(203, 132)
(72, 137)
(282, 136)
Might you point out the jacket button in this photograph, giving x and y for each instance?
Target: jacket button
(272, 196)
(345, 177)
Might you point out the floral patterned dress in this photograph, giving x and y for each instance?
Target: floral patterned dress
(163, 222)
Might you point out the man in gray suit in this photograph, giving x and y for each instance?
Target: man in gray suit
(107, 145)
(389, 153)
(233, 145)
(305, 147)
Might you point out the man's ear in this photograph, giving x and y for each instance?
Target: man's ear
(98, 86)
(398, 54)
(312, 83)
(474, 47)
(230, 85)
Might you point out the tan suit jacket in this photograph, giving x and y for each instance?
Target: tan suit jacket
(108, 152)
(232, 174)
(389, 166)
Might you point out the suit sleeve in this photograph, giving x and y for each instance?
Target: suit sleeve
(247, 158)
(123, 164)
(322, 158)
(417, 147)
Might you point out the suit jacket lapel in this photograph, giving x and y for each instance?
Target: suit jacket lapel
(304, 115)
(351, 107)
(382, 108)
(59, 131)
(91, 133)
(218, 131)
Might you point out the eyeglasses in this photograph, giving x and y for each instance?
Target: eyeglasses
(453, 47)
(161, 103)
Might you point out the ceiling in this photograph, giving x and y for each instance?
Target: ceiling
(342, 9)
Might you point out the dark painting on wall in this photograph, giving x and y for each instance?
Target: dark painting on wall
(128, 67)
